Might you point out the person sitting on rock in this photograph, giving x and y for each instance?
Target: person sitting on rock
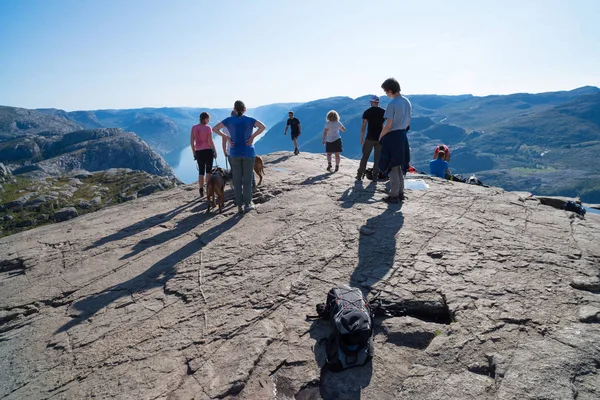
(445, 149)
(439, 166)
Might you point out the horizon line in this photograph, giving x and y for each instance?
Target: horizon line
(305, 102)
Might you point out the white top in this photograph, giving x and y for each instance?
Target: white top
(333, 130)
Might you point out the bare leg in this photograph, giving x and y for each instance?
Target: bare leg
(337, 159)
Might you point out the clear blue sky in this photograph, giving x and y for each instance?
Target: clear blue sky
(80, 54)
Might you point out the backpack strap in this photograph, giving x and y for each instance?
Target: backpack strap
(323, 312)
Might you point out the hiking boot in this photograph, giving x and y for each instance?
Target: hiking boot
(337, 168)
(392, 199)
(201, 191)
(240, 210)
(358, 177)
(329, 167)
(296, 151)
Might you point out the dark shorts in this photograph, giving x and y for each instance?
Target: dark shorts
(204, 158)
(334, 147)
(295, 135)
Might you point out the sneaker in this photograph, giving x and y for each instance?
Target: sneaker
(201, 191)
(337, 168)
(296, 151)
(248, 207)
(240, 210)
(329, 167)
(358, 177)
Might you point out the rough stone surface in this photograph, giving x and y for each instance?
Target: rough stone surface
(65, 214)
(158, 299)
(5, 175)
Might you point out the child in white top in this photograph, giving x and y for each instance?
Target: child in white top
(332, 139)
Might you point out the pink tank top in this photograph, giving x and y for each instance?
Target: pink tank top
(202, 134)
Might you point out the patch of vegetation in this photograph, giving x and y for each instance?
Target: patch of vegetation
(112, 188)
(13, 190)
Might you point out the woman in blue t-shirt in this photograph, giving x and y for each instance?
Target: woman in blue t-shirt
(241, 136)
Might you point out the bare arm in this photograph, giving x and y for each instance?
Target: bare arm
(342, 127)
(261, 127)
(224, 145)
(386, 128)
(285, 132)
(299, 129)
(324, 134)
(211, 143)
(362, 131)
(192, 142)
(217, 129)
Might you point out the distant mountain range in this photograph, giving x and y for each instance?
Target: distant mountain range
(40, 145)
(544, 143)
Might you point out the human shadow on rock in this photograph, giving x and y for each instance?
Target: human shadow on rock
(156, 276)
(318, 178)
(280, 159)
(358, 194)
(142, 225)
(377, 247)
(344, 385)
(182, 226)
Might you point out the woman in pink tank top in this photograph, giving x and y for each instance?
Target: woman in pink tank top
(203, 149)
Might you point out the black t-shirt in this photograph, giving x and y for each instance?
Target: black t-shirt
(374, 117)
(294, 123)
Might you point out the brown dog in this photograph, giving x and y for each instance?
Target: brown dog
(259, 168)
(215, 187)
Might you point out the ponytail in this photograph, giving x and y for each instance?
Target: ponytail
(239, 107)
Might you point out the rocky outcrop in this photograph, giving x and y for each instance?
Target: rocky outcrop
(5, 175)
(39, 145)
(491, 295)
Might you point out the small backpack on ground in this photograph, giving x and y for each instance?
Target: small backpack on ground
(473, 180)
(576, 208)
(351, 342)
(369, 175)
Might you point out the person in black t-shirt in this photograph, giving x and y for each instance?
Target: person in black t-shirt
(296, 129)
(374, 118)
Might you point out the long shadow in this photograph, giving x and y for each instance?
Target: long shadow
(315, 179)
(280, 159)
(377, 247)
(332, 386)
(358, 194)
(157, 275)
(142, 225)
(183, 226)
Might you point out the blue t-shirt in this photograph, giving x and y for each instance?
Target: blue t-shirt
(240, 129)
(438, 167)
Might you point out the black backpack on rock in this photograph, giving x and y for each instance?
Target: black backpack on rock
(574, 207)
(369, 175)
(351, 342)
